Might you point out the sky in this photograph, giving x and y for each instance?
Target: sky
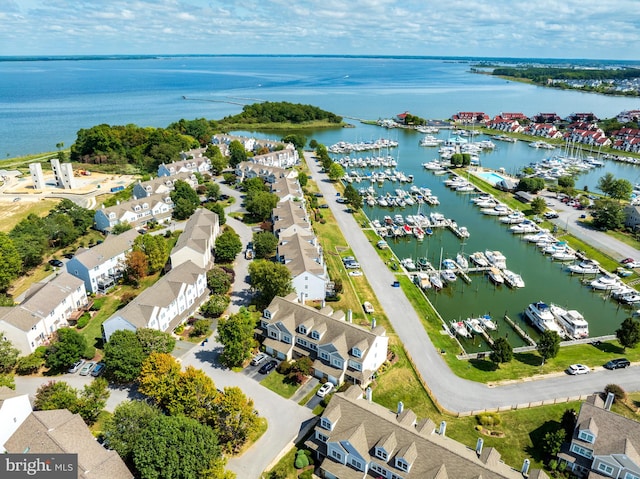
(594, 29)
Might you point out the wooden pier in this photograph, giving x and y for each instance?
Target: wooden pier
(519, 331)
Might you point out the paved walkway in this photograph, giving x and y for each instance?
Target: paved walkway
(452, 392)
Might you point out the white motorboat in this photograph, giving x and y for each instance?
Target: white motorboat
(459, 328)
(566, 255)
(479, 259)
(571, 321)
(512, 279)
(514, 218)
(474, 325)
(495, 275)
(462, 261)
(496, 258)
(588, 266)
(524, 227)
(487, 322)
(448, 276)
(422, 281)
(436, 281)
(497, 210)
(541, 317)
(606, 283)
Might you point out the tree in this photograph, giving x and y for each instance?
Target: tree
(154, 341)
(269, 280)
(215, 306)
(628, 333)
(121, 228)
(218, 209)
(605, 183)
(335, 171)
(621, 189)
(353, 197)
(264, 244)
(296, 139)
(174, 447)
(218, 280)
(608, 214)
(158, 376)
(8, 355)
(548, 345)
(195, 395)
(155, 248)
(552, 442)
(92, 400)
(236, 335)
(136, 267)
(235, 419)
(185, 200)
(123, 430)
(55, 395)
(251, 185)
(123, 356)
(538, 205)
(532, 185)
(618, 393)
(202, 327)
(303, 179)
(10, 262)
(228, 245)
(567, 182)
(218, 161)
(502, 351)
(212, 191)
(261, 203)
(237, 153)
(66, 350)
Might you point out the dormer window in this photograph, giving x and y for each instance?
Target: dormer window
(381, 454)
(315, 334)
(402, 465)
(326, 424)
(587, 436)
(112, 216)
(136, 208)
(145, 206)
(302, 329)
(267, 314)
(356, 352)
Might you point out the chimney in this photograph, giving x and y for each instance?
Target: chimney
(609, 401)
(443, 428)
(400, 407)
(349, 316)
(525, 468)
(479, 445)
(373, 323)
(368, 394)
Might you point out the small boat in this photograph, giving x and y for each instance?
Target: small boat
(408, 264)
(463, 232)
(566, 255)
(487, 322)
(448, 276)
(436, 282)
(462, 261)
(572, 321)
(606, 283)
(524, 227)
(449, 264)
(623, 272)
(422, 281)
(459, 328)
(428, 231)
(495, 275)
(423, 263)
(479, 259)
(631, 297)
(474, 325)
(514, 218)
(514, 280)
(588, 266)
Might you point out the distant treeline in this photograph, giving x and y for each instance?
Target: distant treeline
(146, 148)
(542, 74)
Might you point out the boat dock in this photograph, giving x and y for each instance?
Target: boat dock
(519, 331)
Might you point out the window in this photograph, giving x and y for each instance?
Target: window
(402, 464)
(337, 363)
(321, 437)
(378, 469)
(302, 329)
(356, 352)
(606, 468)
(336, 455)
(582, 451)
(315, 334)
(325, 424)
(324, 355)
(357, 464)
(629, 475)
(381, 453)
(286, 339)
(587, 436)
(273, 334)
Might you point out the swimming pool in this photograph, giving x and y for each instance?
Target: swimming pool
(490, 177)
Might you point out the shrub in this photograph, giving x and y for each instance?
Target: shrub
(97, 304)
(32, 363)
(127, 297)
(83, 320)
(284, 367)
(301, 460)
(215, 305)
(619, 393)
(202, 327)
(489, 419)
(308, 474)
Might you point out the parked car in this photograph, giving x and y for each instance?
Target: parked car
(575, 369)
(323, 206)
(75, 367)
(632, 264)
(86, 369)
(352, 265)
(266, 368)
(627, 260)
(325, 389)
(348, 259)
(259, 358)
(619, 363)
(98, 370)
(56, 262)
(355, 273)
(318, 195)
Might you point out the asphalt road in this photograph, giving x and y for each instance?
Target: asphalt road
(452, 392)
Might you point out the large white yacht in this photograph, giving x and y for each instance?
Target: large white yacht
(541, 317)
(571, 321)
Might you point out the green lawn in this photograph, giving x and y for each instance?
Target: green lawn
(275, 382)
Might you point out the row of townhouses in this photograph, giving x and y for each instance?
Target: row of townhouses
(265, 152)
(180, 292)
(55, 432)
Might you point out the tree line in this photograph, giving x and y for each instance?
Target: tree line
(542, 74)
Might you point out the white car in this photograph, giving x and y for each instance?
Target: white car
(575, 369)
(258, 358)
(633, 265)
(355, 273)
(325, 389)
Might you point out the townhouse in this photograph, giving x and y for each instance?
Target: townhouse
(197, 241)
(192, 161)
(357, 438)
(136, 212)
(162, 185)
(626, 139)
(470, 117)
(58, 431)
(14, 409)
(510, 125)
(290, 217)
(301, 253)
(287, 189)
(101, 266)
(270, 174)
(603, 444)
(165, 305)
(265, 152)
(632, 216)
(546, 118)
(544, 130)
(340, 350)
(47, 307)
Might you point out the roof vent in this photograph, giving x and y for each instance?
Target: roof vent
(368, 394)
(479, 445)
(525, 468)
(609, 401)
(443, 428)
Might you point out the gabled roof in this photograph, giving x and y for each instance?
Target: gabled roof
(198, 231)
(112, 246)
(58, 432)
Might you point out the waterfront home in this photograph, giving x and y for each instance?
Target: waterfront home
(287, 189)
(136, 212)
(58, 431)
(266, 152)
(340, 350)
(582, 117)
(192, 161)
(162, 185)
(626, 139)
(101, 266)
(628, 116)
(545, 130)
(603, 443)
(290, 217)
(469, 117)
(513, 116)
(301, 253)
(586, 133)
(165, 305)
(632, 217)
(197, 240)
(510, 125)
(358, 438)
(248, 169)
(285, 158)
(47, 307)
(14, 409)
(547, 118)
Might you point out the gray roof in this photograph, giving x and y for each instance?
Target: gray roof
(59, 432)
(123, 207)
(286, 186)
(289, 213)
(168, 181)
(300, 255)
(198, 231)
(112, 246)
(366, 425)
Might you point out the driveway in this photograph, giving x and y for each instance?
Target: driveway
(452, 392)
